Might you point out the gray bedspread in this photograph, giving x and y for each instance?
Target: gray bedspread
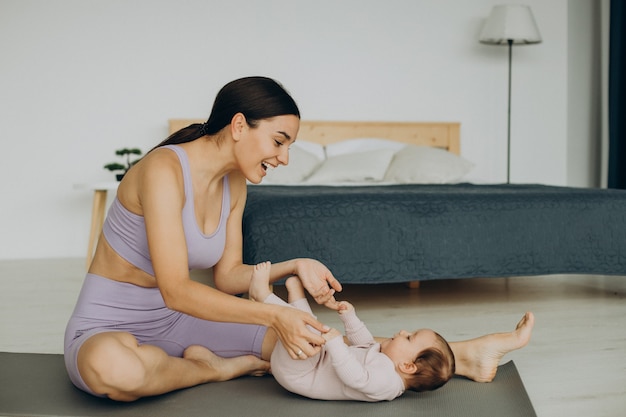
(399, 233)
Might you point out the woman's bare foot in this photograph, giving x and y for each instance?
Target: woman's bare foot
(478, 359)
(295, 289)
(223, 369)
(260, 282)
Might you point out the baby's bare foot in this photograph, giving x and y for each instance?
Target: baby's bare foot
(223, 369)
(260, 282)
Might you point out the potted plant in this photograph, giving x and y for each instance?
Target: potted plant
(123, 153)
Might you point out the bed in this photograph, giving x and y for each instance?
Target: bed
(419, 226)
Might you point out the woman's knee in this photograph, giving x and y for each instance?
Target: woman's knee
(109, 365)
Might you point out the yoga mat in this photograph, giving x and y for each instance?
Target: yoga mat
(37, 385)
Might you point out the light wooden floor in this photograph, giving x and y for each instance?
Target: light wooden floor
(575, 364)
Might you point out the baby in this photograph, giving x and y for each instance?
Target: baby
(365, 370)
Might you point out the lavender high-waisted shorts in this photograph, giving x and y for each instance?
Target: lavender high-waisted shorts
(105, 305)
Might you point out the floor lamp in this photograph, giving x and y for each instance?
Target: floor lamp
(510, 25)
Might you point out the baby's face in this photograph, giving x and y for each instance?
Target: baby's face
(405, 346)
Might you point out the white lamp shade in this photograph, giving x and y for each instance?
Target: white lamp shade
(510, 22)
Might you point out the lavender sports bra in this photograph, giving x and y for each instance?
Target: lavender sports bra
(126, 231)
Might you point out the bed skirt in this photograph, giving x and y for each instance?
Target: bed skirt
(398, 233)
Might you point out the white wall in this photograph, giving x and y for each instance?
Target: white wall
(80, 78)
(584, 129)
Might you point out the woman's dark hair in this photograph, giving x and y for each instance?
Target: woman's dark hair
(257, 98)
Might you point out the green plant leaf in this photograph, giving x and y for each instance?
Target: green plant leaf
(114, 166)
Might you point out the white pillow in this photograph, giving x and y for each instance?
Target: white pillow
(311, 147)
(426, 165)
(353, 167)
(361, 145)
(301, 164)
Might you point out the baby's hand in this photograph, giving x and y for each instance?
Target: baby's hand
(331, 334)
(344, 306)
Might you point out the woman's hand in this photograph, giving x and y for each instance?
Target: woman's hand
(318, 281)
(290, 326)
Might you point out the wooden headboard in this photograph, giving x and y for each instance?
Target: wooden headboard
(445, 135)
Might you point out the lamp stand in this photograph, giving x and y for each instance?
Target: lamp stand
(508, 135)
(508, 24)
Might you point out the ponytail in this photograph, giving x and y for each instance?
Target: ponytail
(257, 98)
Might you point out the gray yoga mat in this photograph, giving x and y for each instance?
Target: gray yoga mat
(37, 385)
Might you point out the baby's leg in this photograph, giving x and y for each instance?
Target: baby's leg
(295, 289)
(260, 282)
(297, 297)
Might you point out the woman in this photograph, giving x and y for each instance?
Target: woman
(141, 326)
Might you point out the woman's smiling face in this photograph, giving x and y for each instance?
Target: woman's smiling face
(266, 146)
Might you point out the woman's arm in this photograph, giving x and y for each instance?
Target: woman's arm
(230, 274)
(162, 198)
(233, 277)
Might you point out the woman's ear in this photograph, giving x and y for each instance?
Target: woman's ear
(408, 368)
(238, 125)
